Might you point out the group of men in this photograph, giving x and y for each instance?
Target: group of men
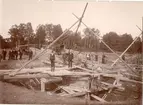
(69, 58)
(104, 58)
(14, 54)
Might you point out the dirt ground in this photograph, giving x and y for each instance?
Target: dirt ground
(11, 94)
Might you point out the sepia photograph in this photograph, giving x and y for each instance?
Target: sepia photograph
(68, 52)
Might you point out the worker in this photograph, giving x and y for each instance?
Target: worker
(123, 57)
(103, 59)
(87, 56)
(70, 59)
(10, 54)
(64, 58)
(20, 54)
(52, 59)
(0, 57)
(16, 54)
(4, 52)
(30, 54)
(96, 57)
(13, 54)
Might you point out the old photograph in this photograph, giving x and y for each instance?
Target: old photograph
(61, 52)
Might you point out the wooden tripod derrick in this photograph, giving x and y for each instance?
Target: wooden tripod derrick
(117, 77)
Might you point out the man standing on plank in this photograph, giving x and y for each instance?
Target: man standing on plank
(70, 59)
(52, 59)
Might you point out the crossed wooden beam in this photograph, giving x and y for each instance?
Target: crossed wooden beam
(80, 21)
(119, 57)
(128, 46)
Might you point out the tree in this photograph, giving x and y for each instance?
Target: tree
(112, 39)
(40, 35)
(137, 46)
(90, 41)
(57, 31)
(69, 41)
(20, 34)
(125, 41)
(30, 34)
(14, 32)
(49, 31)
(116, 42)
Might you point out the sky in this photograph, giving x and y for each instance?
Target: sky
(120, 17)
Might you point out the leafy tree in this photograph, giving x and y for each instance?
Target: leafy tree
(69, 41)
(112, 39)
(116, 42)
(40, 35)
(137, 46)
(14, 32)
(49, 31)
(20, 34)
(90, 41)
(125, 41)
(57, 31)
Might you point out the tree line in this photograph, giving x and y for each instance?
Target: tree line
(44, 34)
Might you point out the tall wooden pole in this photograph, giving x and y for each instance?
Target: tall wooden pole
(81, 18)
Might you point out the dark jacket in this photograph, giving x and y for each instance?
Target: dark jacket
(70, 57)
(52, 57)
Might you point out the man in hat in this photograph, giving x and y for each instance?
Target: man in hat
(4, 52)
(103, 59)
(20, 54)
(70, 59)
(30, 54)
(52, 59)
(123, 57)
(10, 54)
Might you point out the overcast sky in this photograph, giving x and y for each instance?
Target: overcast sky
(120, 17)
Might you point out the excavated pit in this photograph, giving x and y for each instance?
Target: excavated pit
(133, 91)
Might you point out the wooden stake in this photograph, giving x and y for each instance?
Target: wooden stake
(42, 84)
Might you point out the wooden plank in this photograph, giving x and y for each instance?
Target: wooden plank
(46, 74)
(34, 70)
(67, 73)
(26, 76)
(98, 98)
(113, 86)
(121, 78)
(129, 80)
(84, 69)
(52, 80)
(67, 89)
(77, 94)
(105, 95)
(43, 84)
